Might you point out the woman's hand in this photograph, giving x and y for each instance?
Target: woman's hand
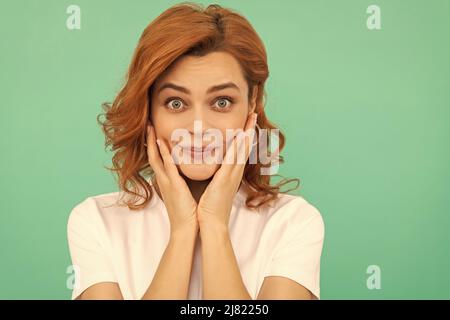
(181, 206)
(215, 204)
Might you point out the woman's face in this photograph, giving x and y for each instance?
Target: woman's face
(191, 92)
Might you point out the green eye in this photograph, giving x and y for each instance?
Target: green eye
(221, 103)
(174, 104)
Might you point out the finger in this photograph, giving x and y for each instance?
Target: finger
(235, 159)
(251, 133)
(235, 154)
(169, 163)
(238, 150)
(244, 145)
(153, 155)
(233, 149)
(251, 121)
(232, 156)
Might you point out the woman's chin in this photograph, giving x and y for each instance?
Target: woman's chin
(198, 172)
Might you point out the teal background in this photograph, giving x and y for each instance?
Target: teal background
(366, 114)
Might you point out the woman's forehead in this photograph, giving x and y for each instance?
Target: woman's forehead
(204, 72)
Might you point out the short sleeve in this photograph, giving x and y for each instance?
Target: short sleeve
(298, 254)
(90, 260)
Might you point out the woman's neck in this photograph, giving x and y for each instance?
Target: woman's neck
(197, 187)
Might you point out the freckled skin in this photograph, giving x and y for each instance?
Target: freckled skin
(197, 74)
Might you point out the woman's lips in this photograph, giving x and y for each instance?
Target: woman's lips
(199, 149)
(199, 152)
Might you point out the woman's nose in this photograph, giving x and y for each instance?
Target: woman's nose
(198, 121)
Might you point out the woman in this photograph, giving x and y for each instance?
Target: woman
(203, 229)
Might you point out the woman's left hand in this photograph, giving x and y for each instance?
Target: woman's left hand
(215, 204)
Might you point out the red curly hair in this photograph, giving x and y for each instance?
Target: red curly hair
(184, 29)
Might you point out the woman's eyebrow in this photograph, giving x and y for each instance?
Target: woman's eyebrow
(211, 89)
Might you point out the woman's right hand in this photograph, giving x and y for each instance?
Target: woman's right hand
(180, 204)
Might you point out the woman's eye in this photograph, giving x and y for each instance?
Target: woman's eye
(223, 103)
(174, 104)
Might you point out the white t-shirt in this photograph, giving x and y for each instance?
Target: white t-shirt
(109, 243)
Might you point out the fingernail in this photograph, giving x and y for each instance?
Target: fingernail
(158, 142)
